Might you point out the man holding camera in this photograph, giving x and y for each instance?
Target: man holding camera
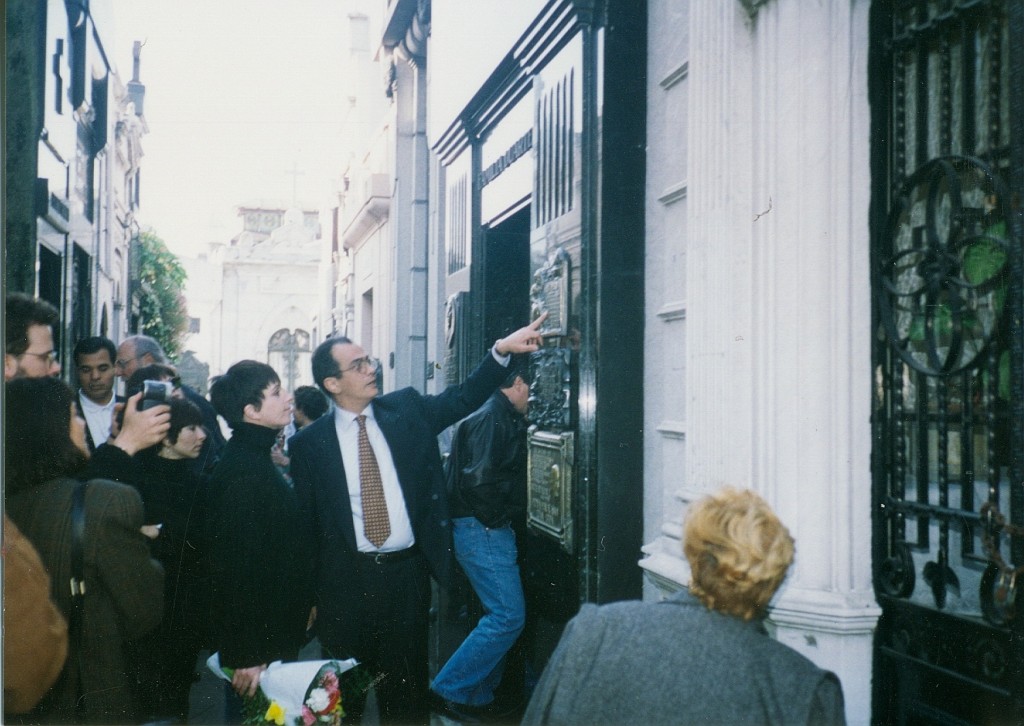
(136, 351)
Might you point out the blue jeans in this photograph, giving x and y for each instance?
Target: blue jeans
(488, 557)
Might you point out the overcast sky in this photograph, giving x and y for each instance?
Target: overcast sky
(238, 94)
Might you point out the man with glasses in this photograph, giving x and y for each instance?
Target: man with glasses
(369, 480)
(28, 349)
(136, 351)
(94, 364)
(29, 352)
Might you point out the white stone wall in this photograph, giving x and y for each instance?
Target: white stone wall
(758, 312)
(203, 293)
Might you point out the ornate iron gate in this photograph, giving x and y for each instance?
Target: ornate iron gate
(948, 425)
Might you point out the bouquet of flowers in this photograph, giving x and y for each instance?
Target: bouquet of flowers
(304, 693)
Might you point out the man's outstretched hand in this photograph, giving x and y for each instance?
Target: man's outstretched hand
(525, 340)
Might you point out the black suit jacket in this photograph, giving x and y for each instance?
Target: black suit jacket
(410, 422)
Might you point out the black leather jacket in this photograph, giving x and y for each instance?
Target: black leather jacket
(486, 471)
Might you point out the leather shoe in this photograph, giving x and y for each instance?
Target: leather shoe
(458, 712)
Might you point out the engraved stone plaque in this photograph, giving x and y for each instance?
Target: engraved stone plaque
(549, 509)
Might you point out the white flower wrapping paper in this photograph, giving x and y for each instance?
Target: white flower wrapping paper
(285, 683)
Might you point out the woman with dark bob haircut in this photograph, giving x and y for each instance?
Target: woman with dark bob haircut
(46, 449)
(259, 548)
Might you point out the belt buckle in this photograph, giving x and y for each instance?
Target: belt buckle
(378, 559)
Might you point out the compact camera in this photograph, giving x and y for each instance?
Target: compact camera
(155, 393)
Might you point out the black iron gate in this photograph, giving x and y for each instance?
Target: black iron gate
(948, 456)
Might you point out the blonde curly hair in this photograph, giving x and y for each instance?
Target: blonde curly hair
(738, 550)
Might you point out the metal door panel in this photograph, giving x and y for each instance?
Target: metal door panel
(947, 280)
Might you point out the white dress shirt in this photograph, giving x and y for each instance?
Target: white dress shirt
(348, 436)
(98, 417)
(347, 430)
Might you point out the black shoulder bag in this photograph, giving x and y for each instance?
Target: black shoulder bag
(77, 585)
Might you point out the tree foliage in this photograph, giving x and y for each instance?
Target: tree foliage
(163, 310)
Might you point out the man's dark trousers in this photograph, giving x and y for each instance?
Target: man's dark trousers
(410, 423)
(392, 645)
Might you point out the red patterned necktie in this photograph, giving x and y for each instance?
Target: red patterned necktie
(376, 525)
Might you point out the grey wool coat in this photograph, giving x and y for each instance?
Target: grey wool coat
(676, 662)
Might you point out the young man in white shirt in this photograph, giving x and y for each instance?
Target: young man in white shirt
(95, 367)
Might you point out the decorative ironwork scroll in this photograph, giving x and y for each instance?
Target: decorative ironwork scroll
(550, 393)
(897, 572)
(1000, 583)
(944, 282)
(549, 490)
(957, 646)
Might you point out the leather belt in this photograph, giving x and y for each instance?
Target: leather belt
(387, 558)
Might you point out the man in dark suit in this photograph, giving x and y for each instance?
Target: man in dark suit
(94, 365)
(369, 481)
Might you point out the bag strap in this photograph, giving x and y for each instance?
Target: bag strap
(77, 556)
(77, 592)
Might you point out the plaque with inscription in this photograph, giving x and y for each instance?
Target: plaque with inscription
(455, 338)
(549, 508)
(549, 294)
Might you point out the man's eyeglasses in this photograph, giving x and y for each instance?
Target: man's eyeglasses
(124, 363)
(366, 364)
(49, 357)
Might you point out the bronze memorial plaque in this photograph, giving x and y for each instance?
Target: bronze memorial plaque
(550, 294)
(549, 509)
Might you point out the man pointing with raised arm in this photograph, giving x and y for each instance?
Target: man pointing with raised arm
(369, 482)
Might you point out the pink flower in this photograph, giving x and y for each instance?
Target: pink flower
(308, 719)
(330, 681)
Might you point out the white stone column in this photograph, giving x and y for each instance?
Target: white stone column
(410, 227)
(777, 344)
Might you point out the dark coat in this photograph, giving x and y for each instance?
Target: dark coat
(88, 434)
(124, 591)
(259, 555)
(486, 472)
(678, 662)
(175, 498)
(410, 422)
